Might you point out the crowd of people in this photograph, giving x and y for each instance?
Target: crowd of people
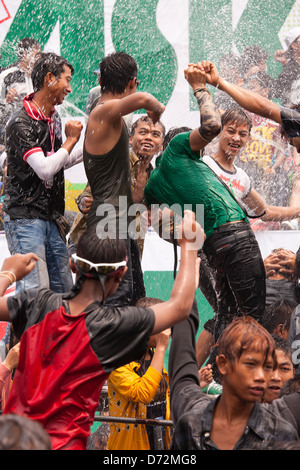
(80, 320)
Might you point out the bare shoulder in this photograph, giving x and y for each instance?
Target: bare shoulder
(103, 108)
(103, 130)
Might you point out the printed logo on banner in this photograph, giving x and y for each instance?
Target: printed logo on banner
(4, 13)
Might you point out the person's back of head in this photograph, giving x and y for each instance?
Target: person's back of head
(21, 433)
(278, 315)
(99, 438)
(116, 70)
(98, 258)
(101, 250)
(25, 45)
(48, 62)
(172, 133)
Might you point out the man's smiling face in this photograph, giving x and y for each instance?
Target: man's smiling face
(233, 138)
(147, 139)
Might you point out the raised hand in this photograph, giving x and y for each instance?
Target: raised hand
(211, 72)
(20, 265)
(195, 75)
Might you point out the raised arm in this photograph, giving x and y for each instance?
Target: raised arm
(247, 99)
(183, 367)
(271, 213)
(14, 268)
(116, 108)
(178, 307)
(47, 166)
(209, 115)
(143, 388)
(105, 121)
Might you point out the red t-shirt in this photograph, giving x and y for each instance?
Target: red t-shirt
(65, 359)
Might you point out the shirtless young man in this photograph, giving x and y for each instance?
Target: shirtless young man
(106, 152)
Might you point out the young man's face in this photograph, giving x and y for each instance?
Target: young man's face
(233, 138)
(249, 376)
(283, 373)
(147, 140)
(61, 86)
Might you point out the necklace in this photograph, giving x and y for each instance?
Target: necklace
(38, 107)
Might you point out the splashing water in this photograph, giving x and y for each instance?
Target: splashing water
(67, 106)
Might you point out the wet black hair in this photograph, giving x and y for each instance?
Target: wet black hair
(96, 250)
(116, 70)
(236, 115)
(172, 133)
(48, 62)
(21, 433)
(283, 345)
(278, 313)
(26, 44)
(149, 121)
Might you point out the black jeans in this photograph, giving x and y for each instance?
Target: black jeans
(132, 287)
(233, 253)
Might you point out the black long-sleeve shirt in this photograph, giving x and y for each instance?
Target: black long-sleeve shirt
(193, 411)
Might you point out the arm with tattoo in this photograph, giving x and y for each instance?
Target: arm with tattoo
(210, 118)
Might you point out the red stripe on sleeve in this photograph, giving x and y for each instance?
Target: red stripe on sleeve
(30, 152)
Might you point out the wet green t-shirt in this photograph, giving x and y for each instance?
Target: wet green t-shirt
(181, 178)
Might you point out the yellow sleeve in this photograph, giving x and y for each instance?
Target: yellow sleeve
(133, 387)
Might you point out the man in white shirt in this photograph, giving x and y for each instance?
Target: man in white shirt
(236, 127)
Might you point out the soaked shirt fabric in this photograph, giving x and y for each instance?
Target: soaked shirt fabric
(109, 177)
(181, 177)
(193, 411)
(65, 359)
(237, 180)
(26, 195)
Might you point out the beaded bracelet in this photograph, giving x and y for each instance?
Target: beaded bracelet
(10, 275)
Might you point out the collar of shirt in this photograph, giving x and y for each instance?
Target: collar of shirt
(34, 112)
(134, 161)
(255, 422)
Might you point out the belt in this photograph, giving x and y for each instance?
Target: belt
(228, 239)
(231, 226)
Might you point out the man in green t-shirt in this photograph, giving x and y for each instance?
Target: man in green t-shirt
(182, 180)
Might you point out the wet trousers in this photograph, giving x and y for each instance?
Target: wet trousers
(237, 267)
(42, 238)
